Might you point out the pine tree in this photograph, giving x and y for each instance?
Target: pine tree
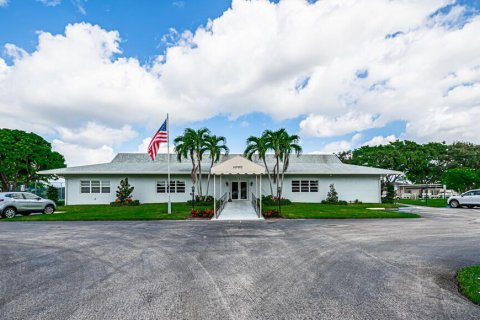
(124, 191)
(332, 195)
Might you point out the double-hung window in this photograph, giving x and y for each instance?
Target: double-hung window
(94, 186)
(304, 185)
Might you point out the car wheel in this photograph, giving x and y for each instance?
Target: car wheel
(9, 212)
(49, 209)
(454, 204)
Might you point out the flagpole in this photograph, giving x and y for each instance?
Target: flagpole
(168, 166)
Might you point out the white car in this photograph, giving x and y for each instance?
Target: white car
(468, 199)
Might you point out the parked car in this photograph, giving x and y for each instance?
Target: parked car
(468, 199)
(24, 203)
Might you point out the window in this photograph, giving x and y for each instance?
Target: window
(30, 196)
(105, 186)
(94, 186)
(304, 185)
(175, 186)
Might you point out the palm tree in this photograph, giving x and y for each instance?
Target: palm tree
(282, 144)
(258, 145)
(214, 145)
(289, 145)
(192, 145)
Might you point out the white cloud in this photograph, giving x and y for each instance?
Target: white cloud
(3, 3)
(96, 135)
(321, 126)
(79, 155)
(50, 3)
(380, 140)
(356, 65)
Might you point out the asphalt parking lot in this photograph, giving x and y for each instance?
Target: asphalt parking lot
(322, 269)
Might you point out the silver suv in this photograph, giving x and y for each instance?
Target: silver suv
(24, 203)
(468, 199)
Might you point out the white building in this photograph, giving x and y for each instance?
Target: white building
(307, 179)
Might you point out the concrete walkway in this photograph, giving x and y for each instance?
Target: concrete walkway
(238, 210)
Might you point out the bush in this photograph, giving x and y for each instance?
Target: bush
(52, 194)
(124, 195)
(332, 195)
(202, 201)
(390, 193)
(356, 201)
(339, 202)
(128, 203)
(273, 201)
(202, 213)
(271, 214)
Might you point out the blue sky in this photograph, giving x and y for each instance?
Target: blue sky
(239, 69)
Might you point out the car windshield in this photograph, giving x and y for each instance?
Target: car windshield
(469, 193)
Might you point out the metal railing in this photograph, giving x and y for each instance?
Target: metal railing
(256, 205)
(221, 204)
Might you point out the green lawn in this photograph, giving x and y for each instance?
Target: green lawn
(439, 203)
(328, 211)
(469, 281)
(157, 211)
(181, 211)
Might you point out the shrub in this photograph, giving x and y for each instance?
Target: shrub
(390, 194)
(273, 201)
(202, 201)
(339, 202)
(52, 194)
(271, 214)
(332, 195)
(202, 213)
(356, 201)
(128, 203)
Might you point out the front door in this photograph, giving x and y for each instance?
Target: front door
(239, 190)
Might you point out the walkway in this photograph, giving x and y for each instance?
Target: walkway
(238, 210)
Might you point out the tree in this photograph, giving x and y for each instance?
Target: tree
(258, 145)
(22, 155)
(332, 195)
(462, 179)
(124, 191)
(52, 193)
(282, 144)
(192, 144)
(214, 146)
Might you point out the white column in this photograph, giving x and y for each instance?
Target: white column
(260, 195)
(214, 199)
(221, 186)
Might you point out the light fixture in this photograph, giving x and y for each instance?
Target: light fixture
(226, 183)
(251, 183)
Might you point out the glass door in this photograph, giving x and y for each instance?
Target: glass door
(243, 190)
(235, 192)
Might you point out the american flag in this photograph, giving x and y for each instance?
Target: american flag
(160, 136)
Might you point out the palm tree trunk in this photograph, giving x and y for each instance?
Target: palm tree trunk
(208, 179)
(269, 177)
(285, 159)
(278, 175)
(200, 177)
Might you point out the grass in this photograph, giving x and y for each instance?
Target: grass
(181, 211)
(157, 211)
(328, 211)
(469, 282)
(438, 203)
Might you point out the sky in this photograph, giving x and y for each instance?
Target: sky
(98, 77)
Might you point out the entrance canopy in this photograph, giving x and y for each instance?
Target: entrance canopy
(238, 165)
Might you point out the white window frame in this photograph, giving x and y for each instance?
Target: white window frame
(304, 186)
(102, 186)
(175, 185)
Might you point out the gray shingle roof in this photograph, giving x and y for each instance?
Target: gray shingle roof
(140, 163)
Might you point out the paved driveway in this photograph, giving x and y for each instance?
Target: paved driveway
(326, 269)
